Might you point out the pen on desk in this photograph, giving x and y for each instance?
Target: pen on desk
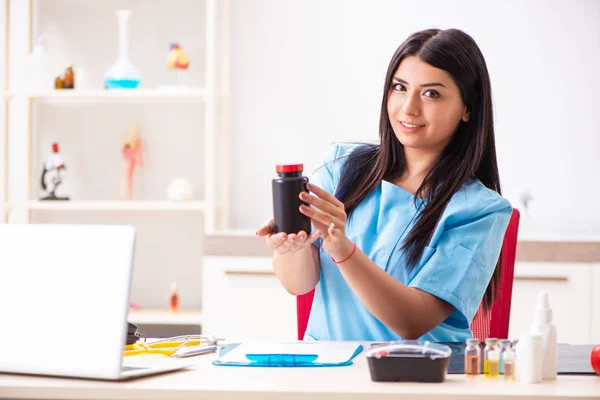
(195, 351)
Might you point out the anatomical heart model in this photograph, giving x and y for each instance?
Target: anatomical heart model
(176, 58)
(177, 63)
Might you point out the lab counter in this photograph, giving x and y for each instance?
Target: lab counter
(530, 249)
(207, 381)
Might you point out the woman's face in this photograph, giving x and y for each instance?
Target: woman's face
(424, 106)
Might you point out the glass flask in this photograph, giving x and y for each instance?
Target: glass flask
(122, 74)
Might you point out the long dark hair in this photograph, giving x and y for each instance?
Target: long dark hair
(470, 153)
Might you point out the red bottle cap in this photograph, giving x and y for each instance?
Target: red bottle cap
(55, 147)
(290, 168)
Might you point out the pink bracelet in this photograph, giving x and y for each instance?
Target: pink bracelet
(347, 258)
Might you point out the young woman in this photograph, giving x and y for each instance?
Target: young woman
(406, 234)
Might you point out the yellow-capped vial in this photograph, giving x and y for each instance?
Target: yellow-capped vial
(491, 358)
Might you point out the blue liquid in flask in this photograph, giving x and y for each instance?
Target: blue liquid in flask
(121, 83)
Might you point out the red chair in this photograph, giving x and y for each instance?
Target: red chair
(493, 323)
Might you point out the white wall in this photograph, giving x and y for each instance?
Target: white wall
(311, 72)
(305, 74)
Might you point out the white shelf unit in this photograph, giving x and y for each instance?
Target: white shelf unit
(16, 42)
(17, 126)
(99, 95)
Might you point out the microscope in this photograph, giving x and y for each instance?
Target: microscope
(54, 168)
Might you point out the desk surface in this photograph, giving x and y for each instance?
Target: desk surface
(206, 381)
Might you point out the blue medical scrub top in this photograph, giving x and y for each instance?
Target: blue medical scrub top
(456, 266)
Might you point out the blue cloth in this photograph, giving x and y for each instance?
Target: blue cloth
(456, 266)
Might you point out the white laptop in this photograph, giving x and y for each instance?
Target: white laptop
(64, 301)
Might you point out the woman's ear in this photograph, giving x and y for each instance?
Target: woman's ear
(466, 115)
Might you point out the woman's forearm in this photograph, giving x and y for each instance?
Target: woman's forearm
(409, 312)
(298, 271)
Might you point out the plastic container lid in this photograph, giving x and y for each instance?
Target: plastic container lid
(411, 349)
(290, 168)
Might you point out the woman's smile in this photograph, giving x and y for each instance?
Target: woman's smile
(408, 127)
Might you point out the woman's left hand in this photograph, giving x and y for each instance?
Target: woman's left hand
(328, 216)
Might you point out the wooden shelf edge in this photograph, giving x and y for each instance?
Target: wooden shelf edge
(97, 205)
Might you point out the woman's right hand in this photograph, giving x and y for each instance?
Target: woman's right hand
(283, 243)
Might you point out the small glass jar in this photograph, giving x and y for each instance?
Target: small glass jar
(503, 344)
(491, 358)
(472, 358)
(508, 362)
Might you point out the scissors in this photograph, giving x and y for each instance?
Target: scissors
(176, 346)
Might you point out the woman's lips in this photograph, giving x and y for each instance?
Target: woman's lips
(408, 127)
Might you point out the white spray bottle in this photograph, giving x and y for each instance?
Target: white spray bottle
(542, 323)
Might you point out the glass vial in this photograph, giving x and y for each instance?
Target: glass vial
(491, 358)
(472, 358)
(502, 345)
(508, 362)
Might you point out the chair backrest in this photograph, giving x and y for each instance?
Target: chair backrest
(493, 323)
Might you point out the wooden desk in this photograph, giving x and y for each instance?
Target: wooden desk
(206, 381)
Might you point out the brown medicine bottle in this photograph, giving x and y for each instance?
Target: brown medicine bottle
(69, 77)
(286, 201)
(59, 83)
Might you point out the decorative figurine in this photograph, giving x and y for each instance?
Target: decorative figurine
(57, 164)
(174, 298)
(66, 80)
(132, 151)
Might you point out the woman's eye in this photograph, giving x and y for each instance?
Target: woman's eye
(434, 94)
(398, 87)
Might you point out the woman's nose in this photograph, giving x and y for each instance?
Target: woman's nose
(411, 105)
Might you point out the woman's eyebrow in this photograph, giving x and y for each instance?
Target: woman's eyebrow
(423, 85)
